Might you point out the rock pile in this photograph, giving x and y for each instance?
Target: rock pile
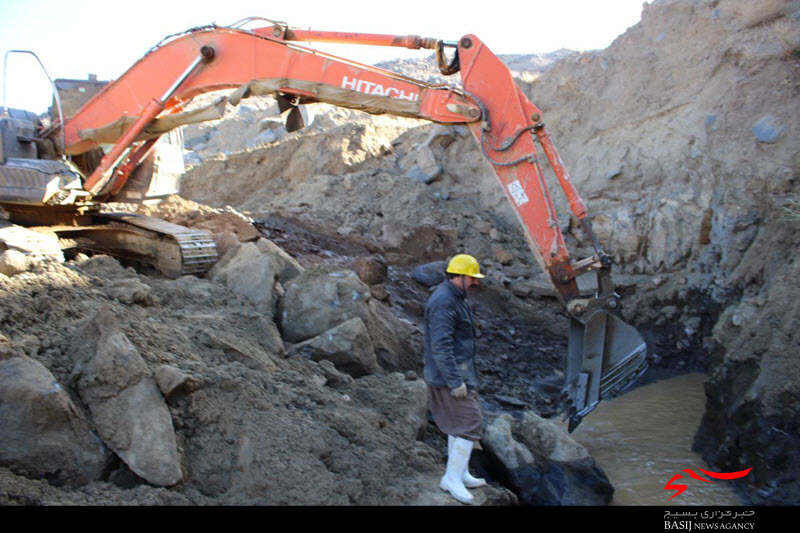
(268, 382)
(542, 463)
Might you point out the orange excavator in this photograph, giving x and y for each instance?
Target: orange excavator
(58, 175)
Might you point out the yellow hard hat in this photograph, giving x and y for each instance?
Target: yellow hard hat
(464, 265)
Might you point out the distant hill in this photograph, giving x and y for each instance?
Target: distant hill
(525, 66)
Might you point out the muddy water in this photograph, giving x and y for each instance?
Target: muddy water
(643, 438)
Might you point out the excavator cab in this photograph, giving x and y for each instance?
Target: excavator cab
(46, 210)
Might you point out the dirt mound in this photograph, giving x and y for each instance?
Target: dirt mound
(252, 426)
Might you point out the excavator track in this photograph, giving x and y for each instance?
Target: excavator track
(174, 250)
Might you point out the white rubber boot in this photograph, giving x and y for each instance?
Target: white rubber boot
(470, 481)
(457, 459)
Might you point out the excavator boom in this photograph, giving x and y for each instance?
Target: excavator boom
(605, 354)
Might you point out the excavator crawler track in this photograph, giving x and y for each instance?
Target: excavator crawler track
(174, 250)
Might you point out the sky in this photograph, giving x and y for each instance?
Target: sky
(74, 38)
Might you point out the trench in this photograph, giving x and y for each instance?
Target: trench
(644, 437)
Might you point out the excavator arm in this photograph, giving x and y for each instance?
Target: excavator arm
(605, 354)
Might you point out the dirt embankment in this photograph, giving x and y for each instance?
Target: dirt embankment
(682, 136)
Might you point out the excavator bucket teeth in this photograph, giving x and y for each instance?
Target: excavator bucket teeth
(605, 356)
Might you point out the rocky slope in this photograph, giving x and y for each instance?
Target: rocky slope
(122, 383)
(683, 136)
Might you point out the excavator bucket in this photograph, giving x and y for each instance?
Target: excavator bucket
(294, 120)
(285, 102)
(604, 357)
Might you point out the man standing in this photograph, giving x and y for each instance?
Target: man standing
(449, 371)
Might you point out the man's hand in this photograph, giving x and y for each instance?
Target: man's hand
(459, 392)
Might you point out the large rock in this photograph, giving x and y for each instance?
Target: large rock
(347, 346)
(430, 274)
(42, 433)
(130, 291)
(371, 270)
(241, 350)
(316, 301)
(288, 267)
(398, 343)
(334, 378)
(126, 405)
(543, 465)
(13, 262)
(172, 380)
(250, 273)
(421, 164)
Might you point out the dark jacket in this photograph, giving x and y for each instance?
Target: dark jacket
(449, 357)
